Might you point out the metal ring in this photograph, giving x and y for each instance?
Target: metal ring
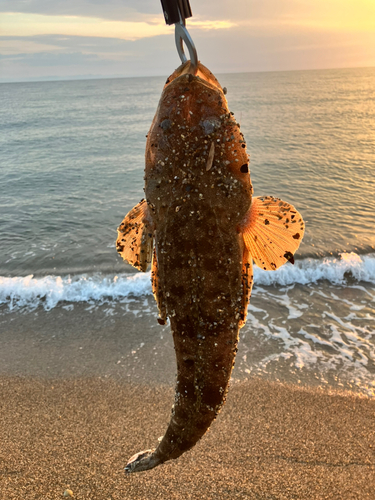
(182, 35)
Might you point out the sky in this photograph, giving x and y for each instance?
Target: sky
(67, 39)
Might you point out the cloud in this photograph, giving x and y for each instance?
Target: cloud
(50, 60)
(73, 56)
(143, 10)
(28, 24)
(130, 38)
(131, 10)
(37, 24)
(22, 45)
(337, 14)
(150, 11)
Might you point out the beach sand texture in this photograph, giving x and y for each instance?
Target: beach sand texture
(67, 428)
(271, 441)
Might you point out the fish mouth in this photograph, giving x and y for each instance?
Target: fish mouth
(202, 74)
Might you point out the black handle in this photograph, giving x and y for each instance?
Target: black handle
(171, 9)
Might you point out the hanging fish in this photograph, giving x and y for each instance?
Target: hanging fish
(201, 229)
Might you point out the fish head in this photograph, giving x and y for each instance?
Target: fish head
(195, 143)
(202, 75)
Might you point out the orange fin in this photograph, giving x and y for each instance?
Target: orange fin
(158, 291)
(135, 237)
(272, 231)
(247, 284)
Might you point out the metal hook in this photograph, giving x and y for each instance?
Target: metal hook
(175, 12)
(182, 35)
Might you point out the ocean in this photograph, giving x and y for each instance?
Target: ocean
(71, 166)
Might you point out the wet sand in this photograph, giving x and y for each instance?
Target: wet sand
(71, 416)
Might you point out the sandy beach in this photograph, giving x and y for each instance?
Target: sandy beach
(71, 416)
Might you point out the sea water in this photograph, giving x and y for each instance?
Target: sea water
(71, 166)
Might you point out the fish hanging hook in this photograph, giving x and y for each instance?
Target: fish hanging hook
(175, 12)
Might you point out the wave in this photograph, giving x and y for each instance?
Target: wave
(48, 291)
(334, 269)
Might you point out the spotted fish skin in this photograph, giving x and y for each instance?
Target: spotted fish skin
(198, 209)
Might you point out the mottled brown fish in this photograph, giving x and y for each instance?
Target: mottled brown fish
(201, 229)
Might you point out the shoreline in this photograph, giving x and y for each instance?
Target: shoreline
(123, 340)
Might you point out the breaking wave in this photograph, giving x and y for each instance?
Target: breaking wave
(335, 270)
(48, 291)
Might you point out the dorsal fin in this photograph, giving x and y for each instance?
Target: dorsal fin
(135, 237)
(272, 231)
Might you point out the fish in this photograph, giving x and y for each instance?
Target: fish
(201, 229)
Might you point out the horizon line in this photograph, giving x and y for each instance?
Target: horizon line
(49, 79)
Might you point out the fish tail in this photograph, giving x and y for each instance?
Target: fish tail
(185, 429)
(201, 389)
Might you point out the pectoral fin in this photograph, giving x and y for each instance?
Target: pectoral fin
(272, 232)
(247, 284)
(157, 290)
(135, 237)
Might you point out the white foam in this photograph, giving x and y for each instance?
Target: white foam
(330, 339)
(294, 309)
(50, 290)
(361, 268)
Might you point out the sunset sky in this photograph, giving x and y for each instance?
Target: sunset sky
(51, 39)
